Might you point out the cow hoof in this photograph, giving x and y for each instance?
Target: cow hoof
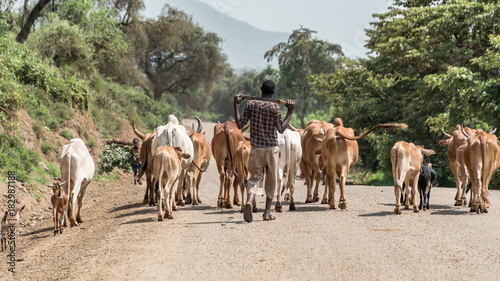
(79, 220)
(237, 203)
(160, 218)
(199, 201)
(343, 205)
(55, 232)
(397, 211)
(254, 209)
(145, 201)
(229, 206)
(170, 217)
(278, 208)
(287, 198)
(416, 210)
(316, 198)
(195, 203)
(309, 200)
(324, 201)
(458, 203)
(180, 203)
(175, 208)
(292, 207)
(220, 203)
(407, 207)
(333, 207)
(188, 201)
(464, 202)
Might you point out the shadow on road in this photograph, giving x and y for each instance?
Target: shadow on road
(126, 207)
(143, 211)
(379, 214)
(50, 228)
(146, 220)
(449, 212)
(223, 223)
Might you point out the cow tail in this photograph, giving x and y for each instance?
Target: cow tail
(291, 166)
(484, 189)
(227, 133)
(68, 182)
(162, 170)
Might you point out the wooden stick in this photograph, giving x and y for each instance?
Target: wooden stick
(265, 99)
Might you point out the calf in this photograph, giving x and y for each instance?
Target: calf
(9, 223)
(166, 169)
(427, 176)
(59, 204)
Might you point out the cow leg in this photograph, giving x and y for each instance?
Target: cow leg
(307, 177)
(454, 167)
(160, 202)
(330, 182)
(170, 194)
(421, 197)
(227, 191)
(180, 185)
(316, 187)
(414, 187)
(397, 191)
(81, 198)
(342, 200)
(198, 180)
(326, 183)
(236, 198)
(464, 177)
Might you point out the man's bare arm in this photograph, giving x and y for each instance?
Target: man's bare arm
(290, 105)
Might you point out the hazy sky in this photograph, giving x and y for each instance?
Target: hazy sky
(337, 21)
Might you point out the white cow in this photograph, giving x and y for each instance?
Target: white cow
(77, 170)
(290, 157)
(175, 135)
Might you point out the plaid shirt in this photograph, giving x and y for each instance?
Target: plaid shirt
(265, 120)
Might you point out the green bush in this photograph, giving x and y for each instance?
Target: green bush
(66, 134)
(380, 179)
(47, 148)
(113, 156)
(15, 157)
(91, 143)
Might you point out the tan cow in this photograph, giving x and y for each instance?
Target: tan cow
(166, 169)
(339, 150)
(311, 143)
(202, 156)
(224, 144)
(241, 156)
(482, 158)
(407, 159)
(146, 157)
(456, 160)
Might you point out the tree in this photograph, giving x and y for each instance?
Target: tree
(26, 28)
(298, 58)
(432, 64)
(178, 56)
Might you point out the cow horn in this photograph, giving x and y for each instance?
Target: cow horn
(245, 128)
(139, 134)
(492, 132)
(463, 132)
(200, 126)
(292, 127)
(446, 135)
(191, 133)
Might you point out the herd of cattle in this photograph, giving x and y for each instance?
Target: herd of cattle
(174, 160)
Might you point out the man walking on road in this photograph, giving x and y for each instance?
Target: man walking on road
(265, 122)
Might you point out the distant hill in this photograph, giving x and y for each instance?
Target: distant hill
(243, 44)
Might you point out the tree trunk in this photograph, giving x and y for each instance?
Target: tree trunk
(25, 13)
(25, 30)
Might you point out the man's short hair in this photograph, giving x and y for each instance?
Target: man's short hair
(268, 87)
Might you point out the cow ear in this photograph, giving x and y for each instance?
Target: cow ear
(247, 138)
(178, 149)
(184, 155)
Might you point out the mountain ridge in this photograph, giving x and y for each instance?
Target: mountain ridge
(243, 44)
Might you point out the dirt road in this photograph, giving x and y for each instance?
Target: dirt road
(121, 239)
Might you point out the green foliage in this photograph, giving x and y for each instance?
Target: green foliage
(47, 148)
(434, 64)
(66, 134)
(301, 56)
(379, 179)
(113, 156)
(91, 143)
(15, 157)
(54, 170)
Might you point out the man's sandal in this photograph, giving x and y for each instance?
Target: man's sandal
(268, 217)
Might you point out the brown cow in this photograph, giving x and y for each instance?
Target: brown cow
(165, 170)
(407, 159)
(311, 142)
(241, 156)
(482, 158)
(202, 156)
(456, 160)
(145, 157)
(339, 150)
(224, 144)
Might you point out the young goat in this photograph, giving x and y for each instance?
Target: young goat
(9, 224)
(59, 204)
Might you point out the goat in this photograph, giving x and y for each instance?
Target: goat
(59, 206)
(8, 225)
